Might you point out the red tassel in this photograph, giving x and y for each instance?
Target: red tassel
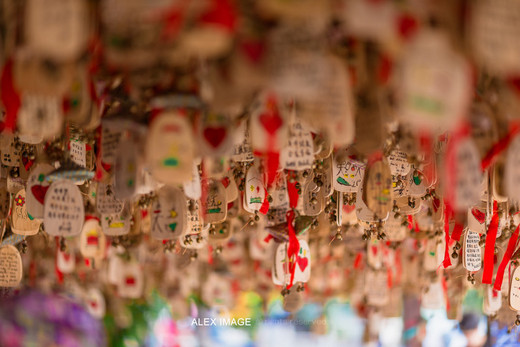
(507, 256)
(489, 253)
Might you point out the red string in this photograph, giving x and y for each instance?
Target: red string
(294, 247)
(447, 215)
(507, 256)
(489, 253)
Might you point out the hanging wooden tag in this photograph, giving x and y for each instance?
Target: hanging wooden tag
(398, 162)
(322, 146)
(10, 266)
(127, 168)
(280, 204)
(242, 151)
(5, 199)
(377, 189)
(116, 224)
(215, 204)
(492, 301)
(348, 174)
(408, 205)
(514, 289)
(192, 188)
(494, 30)
(467, 175)
(66, 261)
(293, 301)
(35, 75)
(433, 254)
(217, 291)
(254, 190)
(111, 137)
(130, 282)
(55, 29)
(220, 233)
(376, 287)
(325, 175)
(512, 170)
(417, 184)
(363, 213)
(82, 110)
(267, 125)
(436, 83)
(196, 233)
(374, 254)
(169, 214)
(95, 303)
(230, 187)
(22, 223)
(215, 135)
(303, 263)
(432, 297)
(279, 275)
(394, 229)
(63, 209)
(298, 153)
(92, 242)
(258, 248)
(40, 117)
(37, 188)
(477, 220)
(471, 253)
(106, 202)
(170, 148)
(10, 155)
(313, 199)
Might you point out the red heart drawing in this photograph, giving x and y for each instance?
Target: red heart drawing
(271, 122)
(130, 280)
(225, 181)
(39, 192)
(302, 263)
(214, 135)
(66, 256)
(479, 215)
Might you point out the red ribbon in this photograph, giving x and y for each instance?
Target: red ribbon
(294, 247)
(500, 146)
(489, 253)
(10, 96)
(265, 204)
(507, 257)
(447, 215)
(457, 231)
(293, 194)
